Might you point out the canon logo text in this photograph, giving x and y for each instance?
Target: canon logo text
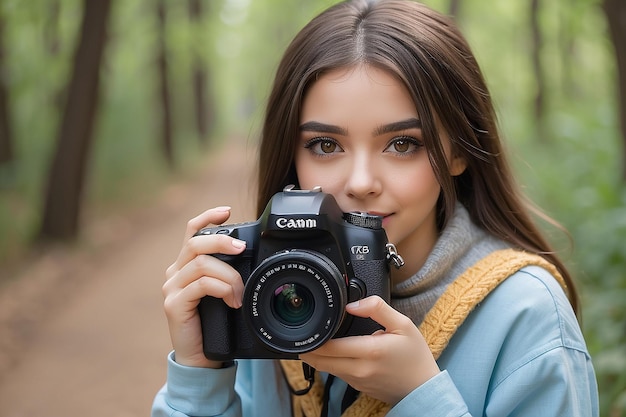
(296, 223)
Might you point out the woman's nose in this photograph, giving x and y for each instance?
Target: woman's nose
(363, 179)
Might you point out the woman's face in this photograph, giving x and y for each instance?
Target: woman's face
(360, 140)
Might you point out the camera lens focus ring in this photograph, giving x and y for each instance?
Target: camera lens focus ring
(295, 301)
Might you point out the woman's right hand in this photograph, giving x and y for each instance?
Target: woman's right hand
(194, 275)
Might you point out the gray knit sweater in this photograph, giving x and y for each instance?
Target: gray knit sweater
(460, 245)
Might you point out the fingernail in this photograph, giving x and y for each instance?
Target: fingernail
(239, 244)
(354, 304)
(222, 208)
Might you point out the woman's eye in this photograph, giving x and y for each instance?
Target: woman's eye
(403, 146)
(323, 146)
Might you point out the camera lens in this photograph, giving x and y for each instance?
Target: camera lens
(295, 300)
(293, 304)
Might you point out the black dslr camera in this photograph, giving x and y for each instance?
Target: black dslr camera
(304, 261)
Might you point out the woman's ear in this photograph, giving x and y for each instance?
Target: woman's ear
(457, 166)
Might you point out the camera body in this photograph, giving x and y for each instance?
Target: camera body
(304, 261)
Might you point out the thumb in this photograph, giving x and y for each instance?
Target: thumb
(378, 310)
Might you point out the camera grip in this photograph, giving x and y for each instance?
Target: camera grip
(374, 274)
(221, 332)
(217, 342)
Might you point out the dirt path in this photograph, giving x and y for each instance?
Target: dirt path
(82, 332)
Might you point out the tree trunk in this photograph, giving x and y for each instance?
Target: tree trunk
(203, 108)
(69, 165)
(164, 89)
(567, 51)
(6, 136)
(537, 43)
(616, 16)
(454, 8)
(51, 38)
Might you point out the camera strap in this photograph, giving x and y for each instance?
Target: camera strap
(438, 327)
(308, 373)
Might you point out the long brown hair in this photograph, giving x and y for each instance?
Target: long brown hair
(427, 53)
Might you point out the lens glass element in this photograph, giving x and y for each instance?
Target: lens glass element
(293, 304)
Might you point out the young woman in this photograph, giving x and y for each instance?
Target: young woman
(383, 105)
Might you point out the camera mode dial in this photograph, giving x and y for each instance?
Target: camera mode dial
(368, 221)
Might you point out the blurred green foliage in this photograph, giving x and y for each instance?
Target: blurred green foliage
(571, 166)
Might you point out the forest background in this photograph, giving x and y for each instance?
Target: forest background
(103, 102)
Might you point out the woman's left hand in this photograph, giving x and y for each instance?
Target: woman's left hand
(387, 364)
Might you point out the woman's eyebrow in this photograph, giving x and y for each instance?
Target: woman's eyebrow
(412, 123)
(313, 126)
(322, 128)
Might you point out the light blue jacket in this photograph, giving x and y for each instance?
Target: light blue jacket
(519, 353)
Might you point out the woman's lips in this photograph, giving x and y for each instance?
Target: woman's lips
(385, 216)
(377, 213)
(387, 219)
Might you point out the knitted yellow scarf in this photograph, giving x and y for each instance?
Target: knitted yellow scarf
(441, 322)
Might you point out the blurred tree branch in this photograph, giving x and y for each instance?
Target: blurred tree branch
(615, 11)
(200, 75)
(537, 43)
(164, 88)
